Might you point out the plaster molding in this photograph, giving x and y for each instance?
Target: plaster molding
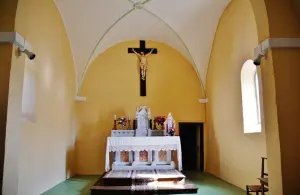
(203, 100)
(80, 99)
(276, 43)
(14, 38)
(138, 5)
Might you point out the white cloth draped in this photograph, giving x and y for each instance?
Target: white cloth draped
(143, 143)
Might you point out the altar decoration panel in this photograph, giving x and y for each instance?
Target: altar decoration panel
(124, 156)
(162, 155)
(137, 144)
(144, 156)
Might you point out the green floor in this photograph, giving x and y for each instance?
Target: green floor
(207, 185)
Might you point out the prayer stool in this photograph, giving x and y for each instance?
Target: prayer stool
(255, 188)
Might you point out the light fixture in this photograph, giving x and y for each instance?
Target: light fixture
(29, 54)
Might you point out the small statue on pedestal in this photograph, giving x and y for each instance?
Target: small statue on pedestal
(142, 121)
(170, 125)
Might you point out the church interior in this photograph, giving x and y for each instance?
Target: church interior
(227, 71)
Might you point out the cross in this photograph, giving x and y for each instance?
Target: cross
(142, 48)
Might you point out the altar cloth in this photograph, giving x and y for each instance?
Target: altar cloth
(158, 143)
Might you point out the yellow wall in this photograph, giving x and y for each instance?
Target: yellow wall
(43, 149)
(232, 155)
(111, 86)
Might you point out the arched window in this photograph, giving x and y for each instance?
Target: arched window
(250, 98)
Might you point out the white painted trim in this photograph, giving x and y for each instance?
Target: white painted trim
(80, 99)
(14, 38)
(276, 43)
(203, 101)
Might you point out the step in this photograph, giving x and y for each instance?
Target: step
(130, 177)
(153, 187)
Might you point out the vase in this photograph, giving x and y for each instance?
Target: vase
(170, 133)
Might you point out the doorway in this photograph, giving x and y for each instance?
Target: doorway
(192, 144)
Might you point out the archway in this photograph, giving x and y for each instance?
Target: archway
(280, 93)
(169, 74)
(8, 11)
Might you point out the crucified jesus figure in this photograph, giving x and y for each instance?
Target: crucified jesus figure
(143, 62)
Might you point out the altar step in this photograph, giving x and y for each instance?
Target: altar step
(152, 166)
(158, 188)
(143, 181)
(130, 177)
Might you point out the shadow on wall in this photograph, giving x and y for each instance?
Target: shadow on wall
(70, 166)
(213, 165)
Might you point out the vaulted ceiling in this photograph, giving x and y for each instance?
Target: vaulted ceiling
(187, 25)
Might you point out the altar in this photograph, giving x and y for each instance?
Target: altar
(151, 145)
(140, 159)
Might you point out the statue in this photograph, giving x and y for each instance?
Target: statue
(142, 121)
(143, 62)
(170, 125)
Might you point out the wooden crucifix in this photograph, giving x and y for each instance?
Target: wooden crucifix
(142, 53)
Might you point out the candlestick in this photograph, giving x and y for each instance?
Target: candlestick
(115, 125)
(115, 117)
(129, 125)
(129, 117)
(154, 124)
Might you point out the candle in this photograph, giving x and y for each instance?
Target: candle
(129, 117)
(115, 117)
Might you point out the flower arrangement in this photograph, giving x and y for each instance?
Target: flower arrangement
(122, 121)
(160, 120)
(171, 131)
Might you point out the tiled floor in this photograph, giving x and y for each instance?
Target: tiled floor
(207, 184)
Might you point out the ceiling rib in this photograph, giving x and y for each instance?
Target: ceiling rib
(94, 49)
(185, 46)
(169, 26)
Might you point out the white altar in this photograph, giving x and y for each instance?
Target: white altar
(143, 148)
(149, 144)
